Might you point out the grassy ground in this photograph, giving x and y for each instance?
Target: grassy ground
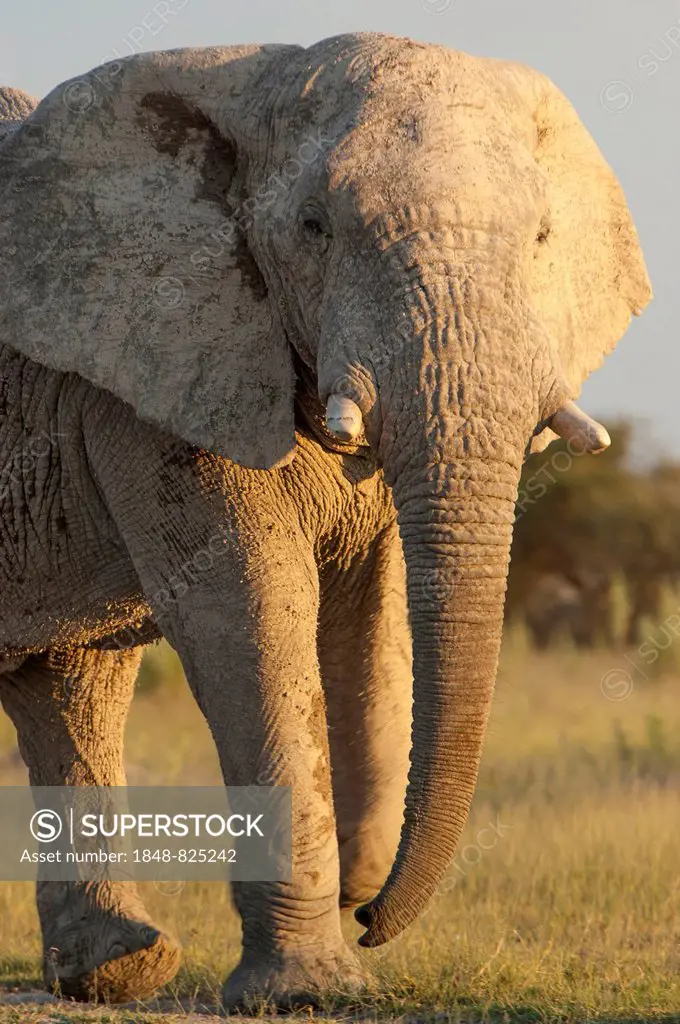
(563, 903)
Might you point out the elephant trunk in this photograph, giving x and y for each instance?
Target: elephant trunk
(455, 522)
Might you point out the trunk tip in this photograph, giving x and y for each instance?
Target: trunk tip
(365, 918)
(363, 915)
(375, 934)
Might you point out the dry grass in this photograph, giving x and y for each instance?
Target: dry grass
(572, 913)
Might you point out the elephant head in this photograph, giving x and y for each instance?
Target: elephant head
(15, 105)
(435, 239)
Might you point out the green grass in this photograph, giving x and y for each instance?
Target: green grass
(571, 912)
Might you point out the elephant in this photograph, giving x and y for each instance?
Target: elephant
(555, 608)
(329, 298)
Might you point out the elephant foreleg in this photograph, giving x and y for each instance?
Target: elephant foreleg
(365, 656)
(69, 709)
(227, 563)
(257, 682)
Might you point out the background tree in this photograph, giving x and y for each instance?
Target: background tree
(585, 524)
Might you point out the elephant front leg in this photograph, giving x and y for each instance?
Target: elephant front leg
(249, 651)
(69, 710)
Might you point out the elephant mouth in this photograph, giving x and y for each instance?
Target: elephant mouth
(310, 417)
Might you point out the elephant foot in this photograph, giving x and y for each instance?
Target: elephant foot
(127, 960)
(292, 984)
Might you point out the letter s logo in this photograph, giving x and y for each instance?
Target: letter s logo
(46, 826)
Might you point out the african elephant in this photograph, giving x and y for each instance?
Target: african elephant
(329, 299)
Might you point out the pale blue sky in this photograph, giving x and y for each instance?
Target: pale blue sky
(617, 60)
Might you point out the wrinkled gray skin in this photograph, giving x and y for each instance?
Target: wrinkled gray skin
(435, 236)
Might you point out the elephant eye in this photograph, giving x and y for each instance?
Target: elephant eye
(316, 228)
(313, 226)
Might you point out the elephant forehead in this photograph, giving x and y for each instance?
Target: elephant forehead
(405, 90)
(450, 128)
(458, 172)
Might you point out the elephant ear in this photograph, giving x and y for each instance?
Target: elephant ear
(123, 245)
(590, 274)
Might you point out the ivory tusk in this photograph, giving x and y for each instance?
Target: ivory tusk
(343, 418)
(572, 424)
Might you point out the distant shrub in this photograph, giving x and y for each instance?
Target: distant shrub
(609, 530)
(160, 667)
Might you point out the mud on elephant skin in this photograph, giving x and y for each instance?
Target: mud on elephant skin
(317, 304)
